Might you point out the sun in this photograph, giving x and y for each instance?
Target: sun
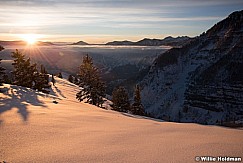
(30, 38)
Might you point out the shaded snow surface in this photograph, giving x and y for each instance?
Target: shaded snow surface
(34, 129)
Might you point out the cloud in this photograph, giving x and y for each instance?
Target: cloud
(111, 17)
(119, 3)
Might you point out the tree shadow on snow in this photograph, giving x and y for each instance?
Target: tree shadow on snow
(59, 92)
(56, 93)
(20, 98)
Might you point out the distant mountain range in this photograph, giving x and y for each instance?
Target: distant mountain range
(80, 43)
(120, 43)
(203, 80)
(168, 41)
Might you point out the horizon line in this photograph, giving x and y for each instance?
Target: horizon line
(96, 43)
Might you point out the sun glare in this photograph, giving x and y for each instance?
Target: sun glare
(30, 38)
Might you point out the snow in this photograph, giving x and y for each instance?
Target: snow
(34, 129)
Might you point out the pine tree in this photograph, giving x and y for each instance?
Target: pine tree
(43, 69)
(45, 74)
(97, 92)
(59, 75)
(120, 99)
(93, 89)
(137, 107)
(75, 80)
(27, 75)
(20, 72)
(40, 80)
(6, 79)
(53, 80)
(2, 73)
(30, 70)
(24, 71)
(70, 78)
(1, 48)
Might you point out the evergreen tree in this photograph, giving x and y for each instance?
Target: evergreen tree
(93, 90)
(40, 80)
(21, 73)
(27, 75)
(6, 79)
(47, 80)
(97, 92)
(59, 75)
(30, 70)
(44, 73)
(43, 69)
(137, 107)
(53, 80)
(70, 78)
(2, 73)
(75, 80)
(120, 99)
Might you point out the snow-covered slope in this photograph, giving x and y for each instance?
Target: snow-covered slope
(34, 129)
(202, 81)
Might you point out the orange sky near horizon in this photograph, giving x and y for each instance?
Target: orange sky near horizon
(89, 39)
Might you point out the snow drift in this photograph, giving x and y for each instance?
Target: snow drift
(35, 129)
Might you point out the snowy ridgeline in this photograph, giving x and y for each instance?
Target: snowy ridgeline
(13, 96)
(201, 81)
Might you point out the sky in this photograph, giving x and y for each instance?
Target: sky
(101, 21)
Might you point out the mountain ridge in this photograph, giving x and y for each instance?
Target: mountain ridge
(167, 41)
(80, 43)
(198, 82)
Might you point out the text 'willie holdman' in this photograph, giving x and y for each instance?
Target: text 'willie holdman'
(218, 159)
